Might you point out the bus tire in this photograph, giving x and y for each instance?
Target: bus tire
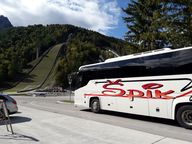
(184, 116)
(95, 105)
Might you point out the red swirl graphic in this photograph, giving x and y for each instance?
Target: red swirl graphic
(152, 86)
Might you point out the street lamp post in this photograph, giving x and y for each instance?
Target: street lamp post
(69, 81)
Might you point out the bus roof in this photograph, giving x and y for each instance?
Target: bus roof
(137, 55)
(133, 56)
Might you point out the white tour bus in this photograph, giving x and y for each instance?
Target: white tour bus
(154, 83)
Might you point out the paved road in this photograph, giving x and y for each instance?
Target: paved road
(120, 126)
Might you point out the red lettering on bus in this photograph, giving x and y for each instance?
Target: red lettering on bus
(163, 95)
(150, 90)
(152, 86)
(113, 91)
(134, 93)
(149, 94)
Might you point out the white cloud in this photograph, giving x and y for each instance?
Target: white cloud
(98, 15)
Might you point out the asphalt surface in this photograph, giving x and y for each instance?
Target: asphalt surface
(161, 130)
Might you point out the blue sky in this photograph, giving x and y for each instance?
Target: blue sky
(121, 28)
(104, 16)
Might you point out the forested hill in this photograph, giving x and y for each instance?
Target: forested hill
(21, 45)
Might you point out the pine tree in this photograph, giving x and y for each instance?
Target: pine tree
(145, 20)
(179, 18)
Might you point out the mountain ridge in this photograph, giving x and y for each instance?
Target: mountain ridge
(4, 22)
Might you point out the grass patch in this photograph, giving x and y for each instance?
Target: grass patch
(40, 73)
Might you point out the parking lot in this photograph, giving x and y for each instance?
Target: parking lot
(44, 120)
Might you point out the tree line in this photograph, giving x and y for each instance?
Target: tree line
(18, 47)
(154, 24)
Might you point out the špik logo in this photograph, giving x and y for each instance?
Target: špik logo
(150, 90)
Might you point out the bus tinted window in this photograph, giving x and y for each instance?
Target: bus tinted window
(178, 62)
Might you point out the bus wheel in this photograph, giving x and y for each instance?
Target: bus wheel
(95, 105)
(184, 116)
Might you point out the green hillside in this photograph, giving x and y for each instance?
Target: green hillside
(42, 74)
(21, 71)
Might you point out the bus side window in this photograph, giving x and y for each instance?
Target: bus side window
(184, 62)
(159, 64)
